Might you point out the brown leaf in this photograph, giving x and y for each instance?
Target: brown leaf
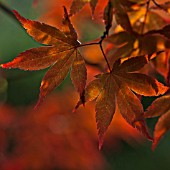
(116, 86)
(37, 58)
(77, 5)
(123, 20)
(69, 29)
(123, 46)
(143, 84)
(154, 109)
(160, 107)
(121, 15)
(61, 55)
(162, 126)
(55, 75)
(131, 108)
(139, 83)
(120, 38)
(43, 33)
(79, 73)
(93, 4)
(105, 108)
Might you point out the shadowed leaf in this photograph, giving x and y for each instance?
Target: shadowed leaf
(163, 124)
(105, 108)
(154, 109)
(77, 5)
(79, 73)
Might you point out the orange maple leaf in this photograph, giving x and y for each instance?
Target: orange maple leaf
(117, 86)
(77, 5)
(163, 124)
(61, 54)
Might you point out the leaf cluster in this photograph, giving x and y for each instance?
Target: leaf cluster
(137, 40)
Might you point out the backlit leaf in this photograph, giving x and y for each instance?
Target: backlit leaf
(116, 86)
(105, 108)
(123, 19)
(120, 38)
(131, 108)
(121, 15)
(163, 124)
(43, 33)
(79, 73)
(61, 55)
(55, 75)
(77, 5)
(154, 109)
(37, 58)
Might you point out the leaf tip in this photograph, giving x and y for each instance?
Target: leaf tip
(38, 103)
(16, 14)
(142, 127)
(19, 17)
(82, 97)
(15, 11)
(77, 106)
(4, 66)
(155, 142)
(100, 142)
(154, 145)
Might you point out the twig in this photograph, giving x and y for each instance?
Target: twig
(145, 17)
(88, 44)
(7, 11)
(104, 55)
(159, 6)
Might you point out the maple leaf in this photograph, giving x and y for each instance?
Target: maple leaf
(77, 5)
(121, 15)
(163, 124)
(117, 86)
(108, 16)
(122, 45)
(165, 6)
(61, 54)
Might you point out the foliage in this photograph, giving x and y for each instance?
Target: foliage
(136, 38)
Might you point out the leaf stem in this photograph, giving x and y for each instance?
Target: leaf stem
(145, 17)
(159, 6)
(7, 11)
(88, 44)
(101, 47)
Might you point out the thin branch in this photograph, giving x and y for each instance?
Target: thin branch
(88, 44)
(101, 48)
(105, 56)
(8, 11)
(145, 17)
(159, 6)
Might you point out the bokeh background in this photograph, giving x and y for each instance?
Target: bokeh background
(53, 137)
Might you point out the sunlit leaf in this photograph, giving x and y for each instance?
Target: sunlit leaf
(61, 55)
(116, 86)
(163, 124)
(108, 16)
(77, 5)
